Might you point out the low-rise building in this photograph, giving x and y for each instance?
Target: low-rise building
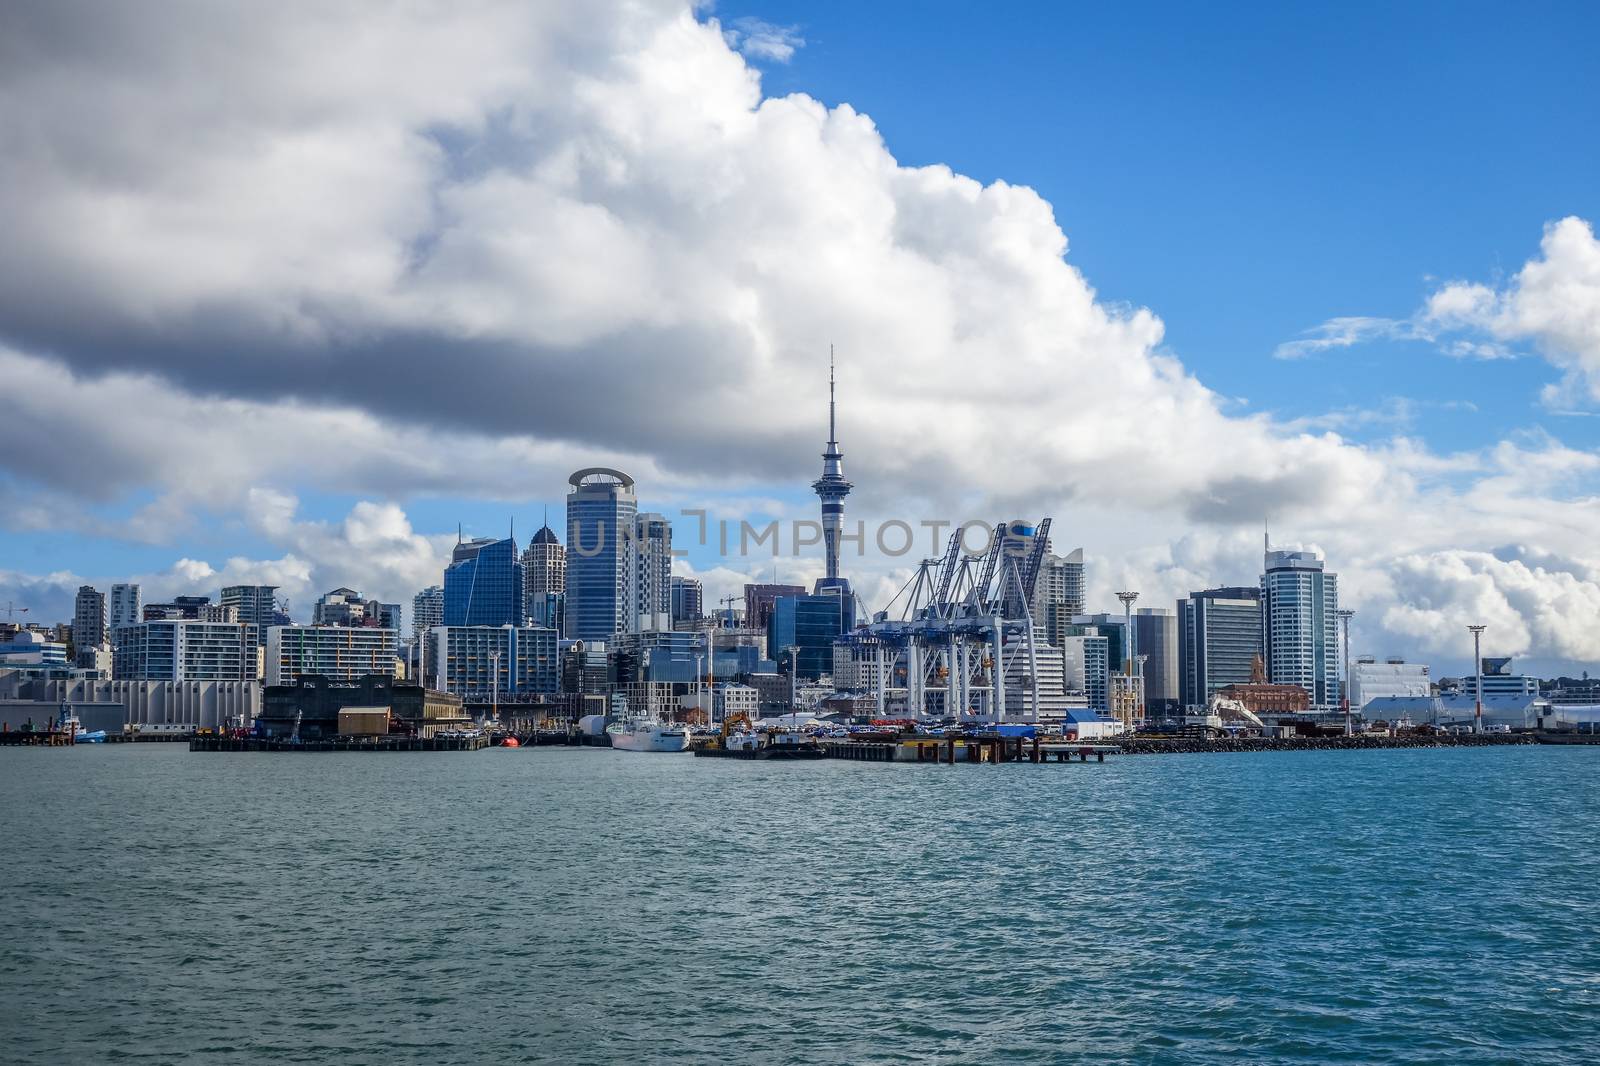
(144, 706)
(1370, 679)
(311, 707)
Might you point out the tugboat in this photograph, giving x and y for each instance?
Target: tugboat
(73, 726)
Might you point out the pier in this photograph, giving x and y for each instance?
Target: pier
(980, 749)
(373, 744)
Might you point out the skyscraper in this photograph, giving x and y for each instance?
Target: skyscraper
(1300, 624)
(544, 578)
(1219, 637)
(601, 508)
(687, 600)
(652, 572)
(1155, 639)
(256, 604)
(88, 624)
(483, 584)
(126, 606)
(831, 489)
(1058, 594)
(427, 609)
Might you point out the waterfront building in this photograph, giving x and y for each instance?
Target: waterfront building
(601, 508)
(1219, 637)
(343, 653)
(1087, 663)
(255, 604)
(1300, 625)
(310, 707)
(1058, 594)
(177, 649)
(653, 699)
(483, 584)
(427, 609)
(125, 607)
(145, 706)
(758, 602)
(586, 668)
(1370, 680)
(481, 663)
(1497, 680)
(687, 600)
(544, 579)
(1155, 639)
(1047, 681)
(831, 489)
(809, 625)
(89, 626)
(729, 699)
(652, 570)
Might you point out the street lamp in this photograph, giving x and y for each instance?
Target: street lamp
(1477, 677)
(1344, 689)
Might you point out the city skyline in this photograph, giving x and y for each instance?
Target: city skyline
(1020, 392)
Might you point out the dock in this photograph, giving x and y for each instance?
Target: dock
(386, 744)
(978, 749)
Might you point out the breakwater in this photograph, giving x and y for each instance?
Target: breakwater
(1196, 745)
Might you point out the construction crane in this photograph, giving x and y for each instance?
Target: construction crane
(12, 610)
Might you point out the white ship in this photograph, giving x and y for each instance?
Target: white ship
(646, 734)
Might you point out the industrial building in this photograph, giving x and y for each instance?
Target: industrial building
(310, 708)
(1370, 680)
(148, 706)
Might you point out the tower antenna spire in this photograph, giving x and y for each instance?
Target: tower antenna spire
(833, 437)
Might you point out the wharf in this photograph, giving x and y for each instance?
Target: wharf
(970, 749)
(378, 744)
(36, 738)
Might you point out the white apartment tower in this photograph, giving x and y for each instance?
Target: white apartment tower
(1300, 624)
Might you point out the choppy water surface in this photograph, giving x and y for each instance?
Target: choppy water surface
(596, 906)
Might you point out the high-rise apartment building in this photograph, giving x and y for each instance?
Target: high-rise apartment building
(256, 604)
(427, 609)
(89, 618)
(652, 568)
(1219, 638)
(687, 596)
(1088, 667)
(125, 607)
(483, 584)
(1300, 625)
(339, 653)
(177, 649)
(601, 508)
(1058, 594)
(544, 578)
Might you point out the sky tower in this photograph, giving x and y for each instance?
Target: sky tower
(831, 488)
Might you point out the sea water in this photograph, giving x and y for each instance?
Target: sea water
(592, 906)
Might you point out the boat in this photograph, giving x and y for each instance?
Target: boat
(70, 723)
(642, 733)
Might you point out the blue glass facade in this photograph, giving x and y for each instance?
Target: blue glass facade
(483, 585)
(601, 509)
(810, 624)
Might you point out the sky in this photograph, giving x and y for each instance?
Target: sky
(290, 293)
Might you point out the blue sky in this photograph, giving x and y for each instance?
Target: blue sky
(297, 331)
(1250, 171)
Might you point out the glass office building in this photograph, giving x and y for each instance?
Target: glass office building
(601, 512)
(1219, 638)
(483, 585)
(809, 624)
(1300, 625)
